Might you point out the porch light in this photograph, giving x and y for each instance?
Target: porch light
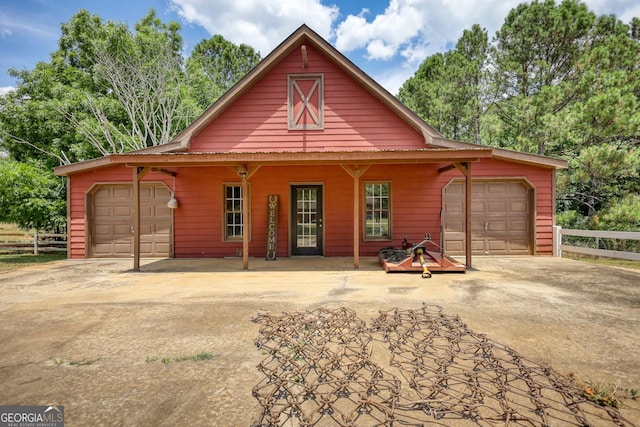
(173, 202)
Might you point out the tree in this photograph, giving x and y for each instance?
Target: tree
(598, 176)
(144, 74)
(30, 198)
(558, 81)
(535, 55)
(215, 65)
(109, 89)
(447, 88)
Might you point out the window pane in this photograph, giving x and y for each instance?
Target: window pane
(377, 210)
(233, 212)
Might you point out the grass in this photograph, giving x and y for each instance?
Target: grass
(204, 355)
(12, 259)
(611, 262)
(83, 362)
(608, 394)
(10, 262)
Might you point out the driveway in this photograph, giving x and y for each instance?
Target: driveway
(115, 347)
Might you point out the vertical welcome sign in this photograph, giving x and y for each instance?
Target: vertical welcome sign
(272, 226)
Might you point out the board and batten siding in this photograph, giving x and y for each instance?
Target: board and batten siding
(353, 118)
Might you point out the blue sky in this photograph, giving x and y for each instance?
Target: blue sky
(388, 39)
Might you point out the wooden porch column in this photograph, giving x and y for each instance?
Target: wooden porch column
(356, 217)
(465, 168)
(356, 173)
(138, 174)
(467, 214)
(244, 173)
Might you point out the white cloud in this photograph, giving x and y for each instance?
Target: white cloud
(262, 24)
(386, 33)
(21, 24)
(6, 89)
(402, 36)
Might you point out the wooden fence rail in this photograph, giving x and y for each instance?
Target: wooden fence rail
(40, 242)
(559, 246)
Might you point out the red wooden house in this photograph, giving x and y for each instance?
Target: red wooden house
(307, 155)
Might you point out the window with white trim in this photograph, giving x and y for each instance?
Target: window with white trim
(377, 211)
(233, 226)
(306, 102)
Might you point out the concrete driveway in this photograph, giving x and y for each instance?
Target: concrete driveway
(91, 335)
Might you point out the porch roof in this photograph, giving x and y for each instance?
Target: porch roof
(190, 159)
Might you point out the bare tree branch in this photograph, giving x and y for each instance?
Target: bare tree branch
(62, 158)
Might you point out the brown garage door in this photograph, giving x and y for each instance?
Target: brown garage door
(500, 218)
(111, 221)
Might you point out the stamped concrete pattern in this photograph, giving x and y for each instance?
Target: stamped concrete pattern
(115, 346)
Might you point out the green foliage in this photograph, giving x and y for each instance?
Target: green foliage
(215, 65)
(107, 89)
(556, 80)
(9, 262)
(110, 89)
(621, 214)
(446, 89)
(198, 357)
(30, 197)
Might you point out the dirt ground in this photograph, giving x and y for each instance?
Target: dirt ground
(91, 335)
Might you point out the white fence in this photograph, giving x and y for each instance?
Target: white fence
(558, 245)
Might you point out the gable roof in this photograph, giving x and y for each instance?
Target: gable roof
(304, 35)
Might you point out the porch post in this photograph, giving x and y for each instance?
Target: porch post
(356, 217)
(138, 174)
(356, 173)
(467, 213)
(465, 168)
(244, 173)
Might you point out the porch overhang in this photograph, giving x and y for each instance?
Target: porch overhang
(354, 162)
(190, 159)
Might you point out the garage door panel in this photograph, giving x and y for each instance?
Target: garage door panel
(453, 208)
(161, 211)
(519, 206)
(497, 245)
(121, 211)
(499, 227)
(453, 245)
(500, 218)
(477, 227)
(121, 229)
(455, 226)
(520, 246)
(519, 226)
(120, 192)
(477, 245)
(160, 230)
(478, 206)
(454, 190)
(496, 207)
(495, 188)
